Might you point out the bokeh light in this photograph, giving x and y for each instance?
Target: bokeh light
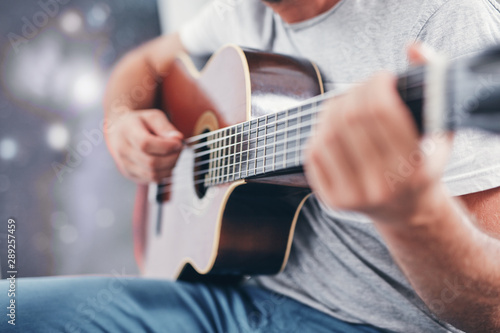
(8, 149)
(71, 22)
(87, 89)
(57, 137)
(68, 234)
(98, 15)
(51, 92)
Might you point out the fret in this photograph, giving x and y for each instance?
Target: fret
(269, 143)
(211, 159)
(222, 159)
(244, 150)
(280, 139)
(261, 142)
(219, 157)
(237, 153)
(230, 158)
(305, 130)
(286, 139)
(291, 141)
(230, 176)
(225, 159)
(274, 147)
(297, 140)
(216, 158)
(252, 147)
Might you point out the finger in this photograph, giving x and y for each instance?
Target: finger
(158, 163)
(132, 171)
(145, 174)
(390, 113)
(340, 155)
(361, 146)
(152, 163)
(319, 179)
(329, 169)
(416, 54)
(142, 140)
(157, 123)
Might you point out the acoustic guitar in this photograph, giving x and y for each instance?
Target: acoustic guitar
(233, 200)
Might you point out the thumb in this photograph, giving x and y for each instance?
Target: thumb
(157, 123)
(419, 54)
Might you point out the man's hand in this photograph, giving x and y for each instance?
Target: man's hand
(144, 145)
(368, 134)
(366, 156)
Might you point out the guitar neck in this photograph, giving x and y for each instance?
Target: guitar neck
(268, 144)
(275, 143)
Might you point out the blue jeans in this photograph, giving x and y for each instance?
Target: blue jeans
(117, 304)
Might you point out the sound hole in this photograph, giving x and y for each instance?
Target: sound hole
(201, 166)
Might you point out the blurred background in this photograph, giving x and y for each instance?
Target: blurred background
(57, 180)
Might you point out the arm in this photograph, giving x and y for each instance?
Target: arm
(143, 143)
(452, 265)
(485, 209)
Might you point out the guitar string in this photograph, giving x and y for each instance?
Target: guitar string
(296, 133)
(257, 137)
(166, 188)
(311, 111)
(301, 113)
(250, 150)
(248, 132)
(242, 168)
(298, 113)
(307, 103)
(323, 97)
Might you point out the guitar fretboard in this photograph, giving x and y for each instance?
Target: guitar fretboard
(275, 142)
(266, 144)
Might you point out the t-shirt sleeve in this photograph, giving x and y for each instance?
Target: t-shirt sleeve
(461, 28)
(247, 23)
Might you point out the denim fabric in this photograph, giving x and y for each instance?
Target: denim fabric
(116, 304)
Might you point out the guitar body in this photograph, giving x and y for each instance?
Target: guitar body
(233, 200)
(238, 228)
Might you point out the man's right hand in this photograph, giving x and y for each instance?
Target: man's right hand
(144, 145)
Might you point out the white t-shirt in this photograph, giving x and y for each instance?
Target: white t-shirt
(339, 264)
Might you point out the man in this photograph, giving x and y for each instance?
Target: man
(422, 256)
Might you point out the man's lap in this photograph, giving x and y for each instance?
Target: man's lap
(107, 304)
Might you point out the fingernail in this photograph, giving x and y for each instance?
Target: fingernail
(172, 134)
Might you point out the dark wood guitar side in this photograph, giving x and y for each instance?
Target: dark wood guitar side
(242, 227)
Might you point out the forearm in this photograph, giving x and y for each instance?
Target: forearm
(135, 79)
(454, 267)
